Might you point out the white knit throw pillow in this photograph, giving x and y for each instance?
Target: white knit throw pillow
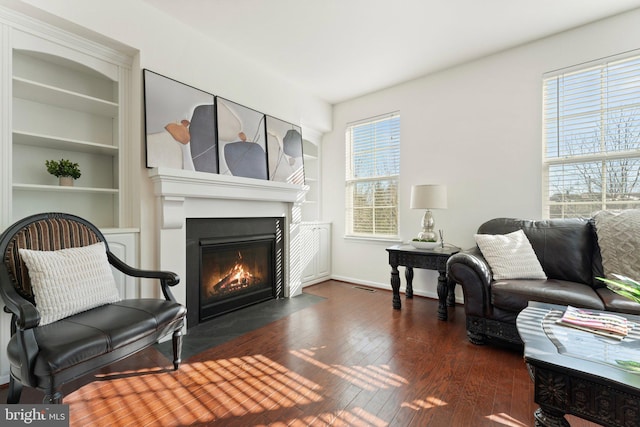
(510, 256)
(69, 281)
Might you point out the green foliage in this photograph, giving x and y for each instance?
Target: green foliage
(63, 168)
(424, 240)
(624, 286)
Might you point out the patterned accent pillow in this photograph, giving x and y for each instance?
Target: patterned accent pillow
(619, 240)
(69, 281)
(510, 256)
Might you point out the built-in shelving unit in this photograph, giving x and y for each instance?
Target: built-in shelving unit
(315, 235)
(310, 207)
(62, 108)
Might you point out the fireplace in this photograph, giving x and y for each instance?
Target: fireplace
(232, 263)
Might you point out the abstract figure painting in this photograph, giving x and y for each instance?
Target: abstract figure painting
(284, 148)
(180, 125)
(241, 140)
(187, 128)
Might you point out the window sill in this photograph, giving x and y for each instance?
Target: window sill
(386, 240)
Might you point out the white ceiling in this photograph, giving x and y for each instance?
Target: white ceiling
(340, 49)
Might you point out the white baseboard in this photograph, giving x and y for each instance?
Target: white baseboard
(387, 286)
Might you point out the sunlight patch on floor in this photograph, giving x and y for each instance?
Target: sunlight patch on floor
(214, 390)
(357, 417)
(428, 403)
(211, 391)
(368, 377)
(505, 420)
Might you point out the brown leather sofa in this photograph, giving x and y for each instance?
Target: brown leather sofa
(569, 254)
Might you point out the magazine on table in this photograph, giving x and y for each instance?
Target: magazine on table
(601, 323)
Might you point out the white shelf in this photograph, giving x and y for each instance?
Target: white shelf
(311, 205)
(45, 94)
(63, 189)
(54, 142)
(309, 150)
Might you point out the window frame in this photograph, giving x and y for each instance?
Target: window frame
(352, 180)
(569, 117)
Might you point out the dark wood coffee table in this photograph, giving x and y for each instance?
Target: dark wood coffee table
(580, 373)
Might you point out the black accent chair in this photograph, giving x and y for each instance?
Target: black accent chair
(47, 356)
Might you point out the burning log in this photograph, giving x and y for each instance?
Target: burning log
(237, 278)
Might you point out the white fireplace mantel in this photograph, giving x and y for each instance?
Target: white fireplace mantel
(177, 182)
(174, 185)
(187, 194)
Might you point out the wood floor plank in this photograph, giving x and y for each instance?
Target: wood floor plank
(348, 360)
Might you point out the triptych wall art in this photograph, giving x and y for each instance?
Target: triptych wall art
(187, 128)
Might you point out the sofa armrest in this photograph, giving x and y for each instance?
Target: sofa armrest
(470, 270)
(167, 278)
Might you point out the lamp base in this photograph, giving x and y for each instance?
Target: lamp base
(429, 236)
(427, 232)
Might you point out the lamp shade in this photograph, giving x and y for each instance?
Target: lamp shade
(428, 197)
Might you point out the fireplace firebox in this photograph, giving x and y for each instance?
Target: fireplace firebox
(232, 263)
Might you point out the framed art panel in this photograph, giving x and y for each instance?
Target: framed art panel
(241, 140)
(180, 125)
(284, 150)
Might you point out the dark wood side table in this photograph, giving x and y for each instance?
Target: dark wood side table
(430, 259)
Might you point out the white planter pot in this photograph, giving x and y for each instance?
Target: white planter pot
(66, 181)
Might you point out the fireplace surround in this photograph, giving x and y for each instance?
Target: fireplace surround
(182, 195)
(232, 263)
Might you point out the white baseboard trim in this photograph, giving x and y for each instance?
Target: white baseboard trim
(387, 286)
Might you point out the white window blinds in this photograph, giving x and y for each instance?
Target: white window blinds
(591, 135)
(372, 172)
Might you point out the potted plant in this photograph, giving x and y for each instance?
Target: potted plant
(66, 170)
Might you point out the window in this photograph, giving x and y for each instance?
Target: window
(373, 169)
(591, 135)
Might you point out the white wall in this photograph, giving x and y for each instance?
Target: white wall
(477, 129)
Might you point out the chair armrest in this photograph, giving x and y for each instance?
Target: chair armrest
(470, 270)
(167, 278)
(26, 314)
(25, 317)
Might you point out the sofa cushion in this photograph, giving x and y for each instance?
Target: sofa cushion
(69, 281)
(74, 340)
(619, 240)
(574, 238)
(510, 256)
(515, 295)
(618, 303)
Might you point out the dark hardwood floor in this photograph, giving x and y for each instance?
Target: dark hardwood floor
(349, 360)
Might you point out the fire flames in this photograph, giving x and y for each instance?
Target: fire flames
(238, 277)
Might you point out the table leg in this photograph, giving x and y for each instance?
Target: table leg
(443, 291)
(451, 298)
(550, 418)
(408, 274)
(395, 287)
